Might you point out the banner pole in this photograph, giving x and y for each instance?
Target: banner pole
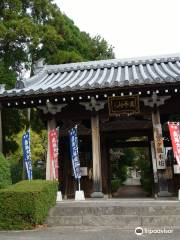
(79, 195)
(28, 128)
(79, 184)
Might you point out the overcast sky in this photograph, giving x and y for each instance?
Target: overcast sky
(134, 27)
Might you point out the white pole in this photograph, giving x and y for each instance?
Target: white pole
(79, 183)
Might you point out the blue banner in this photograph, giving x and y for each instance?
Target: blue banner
(74, 152)
(27, 154)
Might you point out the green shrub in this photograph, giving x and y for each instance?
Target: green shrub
(115, 184)
(39, 172)
(16, 168)
(26, 204)
(16, 165)
(146, 184)
(5, 172)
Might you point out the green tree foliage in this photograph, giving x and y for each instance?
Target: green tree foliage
(38, 145)
(33, 29)
(136, 157)
(142, 161)
(119, 165)
(5, 174)
(38, 155)
(37, 28)
(29, 30)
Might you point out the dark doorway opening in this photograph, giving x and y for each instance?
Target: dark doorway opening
(130, 169)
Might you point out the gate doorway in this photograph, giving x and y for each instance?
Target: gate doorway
(131, 174)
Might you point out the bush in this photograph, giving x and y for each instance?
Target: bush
(16, 169)
(39, 172)
(16, 165)
(5, 172)
(147, 184)
(115, 184)
(26, 204)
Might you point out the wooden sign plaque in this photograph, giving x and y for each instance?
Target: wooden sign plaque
(126, 105)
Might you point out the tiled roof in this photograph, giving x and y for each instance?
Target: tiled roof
(98, 75)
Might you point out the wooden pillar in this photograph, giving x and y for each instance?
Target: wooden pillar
(161, 187)
(154, 166)
(1, 137)
(157, 133)
(158, 140)
(51, 124)
(96, 153)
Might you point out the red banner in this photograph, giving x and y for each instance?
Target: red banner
(53, 148)
(175, 139)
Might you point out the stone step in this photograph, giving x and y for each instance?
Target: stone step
(122, 221)
(115, 210)
(124, 214)
(90, 220)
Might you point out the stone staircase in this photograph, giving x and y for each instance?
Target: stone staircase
(126, 213)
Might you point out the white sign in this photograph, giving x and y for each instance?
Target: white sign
(84, 171)
(161, 164)
(176, 169)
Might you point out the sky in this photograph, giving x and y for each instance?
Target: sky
(133, 27)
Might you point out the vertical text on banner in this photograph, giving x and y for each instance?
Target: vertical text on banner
(53, 148)
(175, 139)
(27, 154)
(74, 152)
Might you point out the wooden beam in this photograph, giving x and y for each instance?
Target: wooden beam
(124, 144)
(121, 134)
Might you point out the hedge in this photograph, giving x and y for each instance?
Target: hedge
(5, 173)
(26, 204)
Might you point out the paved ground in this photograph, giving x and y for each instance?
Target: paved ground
(100, 233)
(130, 191)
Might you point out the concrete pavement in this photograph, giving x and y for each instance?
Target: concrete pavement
(86, 233)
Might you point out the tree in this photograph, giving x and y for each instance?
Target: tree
(38, 155)
(33, 29)
(36, 28)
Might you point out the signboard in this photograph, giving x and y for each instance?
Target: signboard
(175, 139)
(74, 152)
(53, 149)
(159, 147)
(161, 163)
(123, 105)
(84, 171)
(27, 154)
(176, 169)
(168, 150)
